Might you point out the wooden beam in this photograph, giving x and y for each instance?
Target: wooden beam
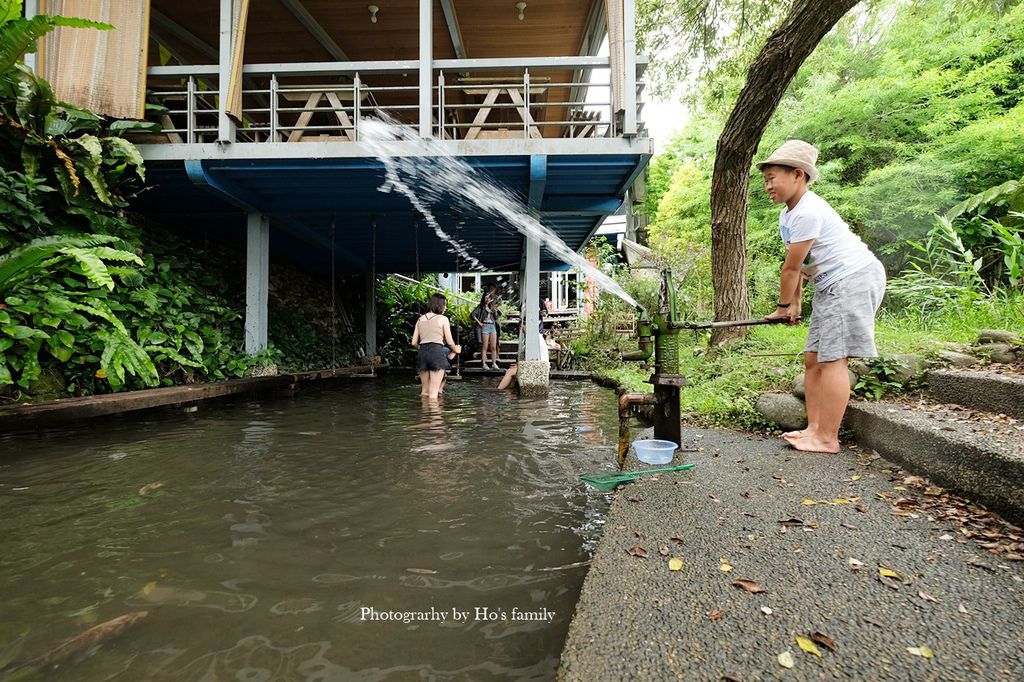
(175, 29)
(454, 31)
(315, 29)
(45, 414)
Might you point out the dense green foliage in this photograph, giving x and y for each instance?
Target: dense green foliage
(918, 110)
(90, 300)
(399, 306)
(912, 113)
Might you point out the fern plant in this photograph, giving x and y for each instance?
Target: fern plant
(90, 253)
(942, 271)
(18, 35)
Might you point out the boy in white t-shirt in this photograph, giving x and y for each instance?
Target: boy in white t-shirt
(849, 284)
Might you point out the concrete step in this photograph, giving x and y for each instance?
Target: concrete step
(990, 391)
(476, 363)
(504, 357)
(977, 454)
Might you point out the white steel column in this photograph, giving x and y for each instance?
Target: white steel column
(371, 314)
(257, 281)
(426, 65)
(629, 47)
(529, 285)
(225, 126)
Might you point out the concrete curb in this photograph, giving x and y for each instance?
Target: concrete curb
(982, 468)
(985, 391)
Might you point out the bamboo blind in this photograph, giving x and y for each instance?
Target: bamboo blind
(104, 71)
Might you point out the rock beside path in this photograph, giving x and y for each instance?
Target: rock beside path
(784, 409)
(998, 336)
(998, 352)
(951, 357)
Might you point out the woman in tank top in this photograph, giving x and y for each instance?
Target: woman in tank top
(433, 337)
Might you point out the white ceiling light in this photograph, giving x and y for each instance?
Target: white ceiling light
(373, 13)
(521, 6)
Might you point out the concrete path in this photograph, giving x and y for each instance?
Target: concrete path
(793, 524)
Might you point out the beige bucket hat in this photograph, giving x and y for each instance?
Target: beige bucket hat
(795, 154)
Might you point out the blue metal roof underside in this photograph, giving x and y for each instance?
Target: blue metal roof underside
(374, 229)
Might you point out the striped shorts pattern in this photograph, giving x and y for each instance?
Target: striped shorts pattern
(843, 316)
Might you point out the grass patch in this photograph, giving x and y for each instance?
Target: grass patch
(724, 385)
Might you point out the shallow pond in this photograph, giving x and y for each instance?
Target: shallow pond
(269, 540)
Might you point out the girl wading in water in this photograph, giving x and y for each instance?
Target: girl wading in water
(433, 337)
(849, 283)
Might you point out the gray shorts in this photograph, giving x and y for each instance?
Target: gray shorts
(843, 316)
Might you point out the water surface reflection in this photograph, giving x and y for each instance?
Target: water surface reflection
(255, 534)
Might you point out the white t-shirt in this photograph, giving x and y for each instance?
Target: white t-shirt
(836, 252)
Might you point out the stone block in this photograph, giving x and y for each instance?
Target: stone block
(533, 377)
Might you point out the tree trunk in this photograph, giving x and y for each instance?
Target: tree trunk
(767, 79)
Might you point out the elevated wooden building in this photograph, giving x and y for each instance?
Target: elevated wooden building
(262, 104)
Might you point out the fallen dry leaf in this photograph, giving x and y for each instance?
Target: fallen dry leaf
(808, 501)
(854, 478)
(675, 564)
(766, 611)
(889, 573)
(676, 539)
(792, 521)
(855, 565)
(748, 585)
(889, 582)
(786, 659)
(861, 508)
(962, 609)
(927, 597)
(663, 550)
(637, 552)
(807, 645)
(824, 640)
(922, 651)
(716, 614)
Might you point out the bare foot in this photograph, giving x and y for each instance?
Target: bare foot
(812, 443)
(795, 434)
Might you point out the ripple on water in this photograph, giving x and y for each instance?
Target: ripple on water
(280, 521)
(296, 606)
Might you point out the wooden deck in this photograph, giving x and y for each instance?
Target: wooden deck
(22, 416)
